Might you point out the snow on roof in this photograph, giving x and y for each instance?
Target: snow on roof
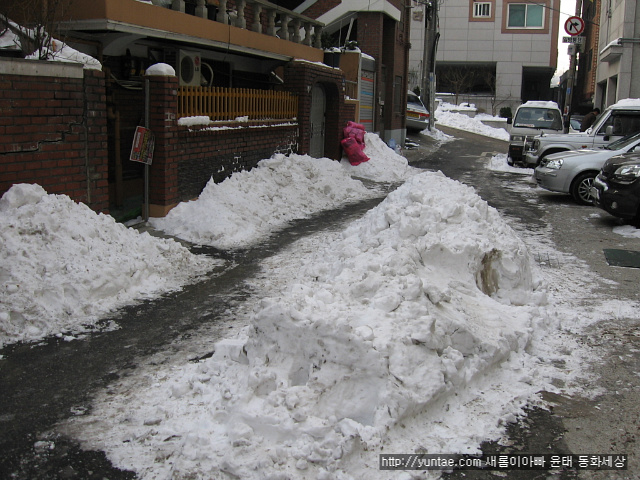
(627, 103)
(57, 51)
(540, 104)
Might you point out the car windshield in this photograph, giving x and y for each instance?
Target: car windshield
(536, 117)
(623, 142)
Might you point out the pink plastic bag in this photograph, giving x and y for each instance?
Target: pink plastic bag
(354, 150)
(353, 143)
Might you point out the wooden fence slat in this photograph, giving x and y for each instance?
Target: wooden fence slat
(219, 103)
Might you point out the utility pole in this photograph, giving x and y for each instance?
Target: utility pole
(568, 98)
(431, 36)
(571, 80)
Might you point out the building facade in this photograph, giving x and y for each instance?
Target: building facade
(224, 50)
(586, 79)
(619, 52)
(494, 53)
(380, 29)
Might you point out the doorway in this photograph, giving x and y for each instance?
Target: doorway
(318, 114)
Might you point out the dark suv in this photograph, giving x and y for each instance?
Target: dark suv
(617, 187)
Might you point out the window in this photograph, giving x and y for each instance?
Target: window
(525, 15)
(481, 10)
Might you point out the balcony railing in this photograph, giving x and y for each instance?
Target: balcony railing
(227, 104)
(276, 21)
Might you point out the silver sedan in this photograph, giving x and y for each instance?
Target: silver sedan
(573, 172)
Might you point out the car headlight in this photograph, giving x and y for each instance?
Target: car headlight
(517, 138)
(627, 173)
(534, 145)
(555, 164)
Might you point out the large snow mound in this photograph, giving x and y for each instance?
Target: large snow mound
(416, 301)
(249, 205)
(62, 265)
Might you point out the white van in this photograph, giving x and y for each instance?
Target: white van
(532, 118)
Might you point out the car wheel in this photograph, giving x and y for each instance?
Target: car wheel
(581, 188)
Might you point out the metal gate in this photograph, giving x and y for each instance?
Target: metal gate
(318, 110)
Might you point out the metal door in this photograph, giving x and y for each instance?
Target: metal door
(318, 109)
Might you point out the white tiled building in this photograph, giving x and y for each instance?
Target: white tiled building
(516, 40)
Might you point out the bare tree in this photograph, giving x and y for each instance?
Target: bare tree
(489, 77)
(35, 22)
(458, 78)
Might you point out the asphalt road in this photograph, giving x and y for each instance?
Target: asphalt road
(609, 422)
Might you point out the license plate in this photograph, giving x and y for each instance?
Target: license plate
(595, 193)
(413, 115)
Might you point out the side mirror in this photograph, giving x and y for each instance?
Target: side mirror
(509, 120)
(609, 130)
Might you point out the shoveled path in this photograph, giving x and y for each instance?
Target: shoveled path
(42, 384)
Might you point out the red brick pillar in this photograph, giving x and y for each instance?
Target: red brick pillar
(97, 158)
(163, 173)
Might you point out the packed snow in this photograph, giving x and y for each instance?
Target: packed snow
(63, 267)
(249, 204)
(448, 115)
(385, 338)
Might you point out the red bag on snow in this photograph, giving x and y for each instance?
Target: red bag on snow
(356, 130)
(353, 143)
(354, 150)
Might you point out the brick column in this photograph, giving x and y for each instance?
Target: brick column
(97, 158)
(163, 173)
(299, 79)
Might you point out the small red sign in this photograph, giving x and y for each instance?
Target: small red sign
(574, 26)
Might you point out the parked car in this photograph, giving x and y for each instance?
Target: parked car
(575, 123)
(616, 189)
(574, 171)
(417, 113)
(620, 119)
(531, 118)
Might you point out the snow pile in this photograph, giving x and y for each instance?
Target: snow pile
(195, 120)
(61, 52)
(62, 265)
(417, 300)
(250, 205)
(54, 50)
(448, 118)
(384, 165)
(163, 70)
(498, 163)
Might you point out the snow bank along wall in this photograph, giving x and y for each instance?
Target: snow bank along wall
(53, 129)
(56, 130)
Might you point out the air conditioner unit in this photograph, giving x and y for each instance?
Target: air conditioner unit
(189, 68)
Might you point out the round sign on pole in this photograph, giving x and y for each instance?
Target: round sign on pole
(574, 26)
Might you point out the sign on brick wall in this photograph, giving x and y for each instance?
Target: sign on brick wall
(142, 148)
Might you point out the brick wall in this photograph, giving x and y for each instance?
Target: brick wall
(53, 130)
(186, 158)
(206, 153)
(299, 79)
